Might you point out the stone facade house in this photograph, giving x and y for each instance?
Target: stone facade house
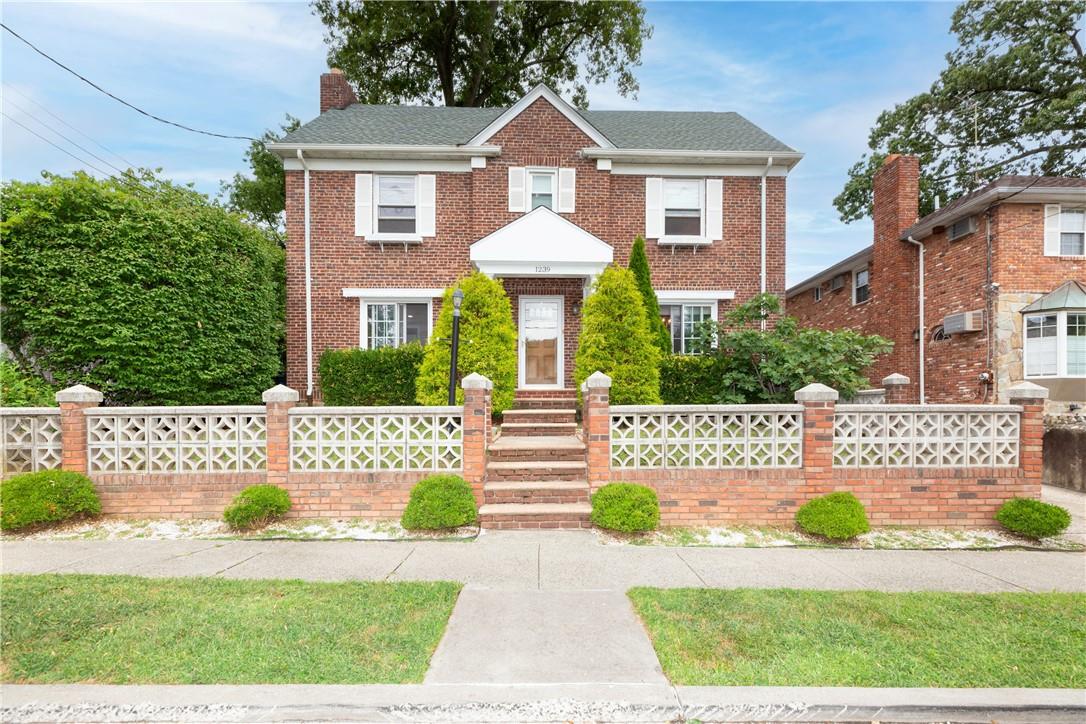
(1004, 288)
(389, 205)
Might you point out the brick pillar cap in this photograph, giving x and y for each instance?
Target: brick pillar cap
(79, 393)
(1027, 391)
(895, 379)
(816, 392)
(280, 393)
(476, 381)
(597, 380)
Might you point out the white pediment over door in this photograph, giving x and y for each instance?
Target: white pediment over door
(541, 243)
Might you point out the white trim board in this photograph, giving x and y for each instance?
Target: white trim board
(405, 165)
(694, 170)
(540, 91)
(677, 296)
(398, 294)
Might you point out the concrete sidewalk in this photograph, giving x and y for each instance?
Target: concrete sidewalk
(558, 561)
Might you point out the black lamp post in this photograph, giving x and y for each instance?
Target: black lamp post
(457, 299)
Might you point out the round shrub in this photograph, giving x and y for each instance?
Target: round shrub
(49, 496)
(626, 507)
(1032, 518)
(837, 516)
(256, 506)
(438, 502)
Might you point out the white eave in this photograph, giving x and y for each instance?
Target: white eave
(1036, 195)
(541, 243)
(652, 155)
(414, 153)
(845, 265)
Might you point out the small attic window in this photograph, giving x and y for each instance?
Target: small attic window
(961, 227)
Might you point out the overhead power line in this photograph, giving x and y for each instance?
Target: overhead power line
(122, 101)
(84, 149)
(59, 148)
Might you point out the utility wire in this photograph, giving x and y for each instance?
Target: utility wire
(102, 146)
(99, 88)
(85, 150)
(59, 148)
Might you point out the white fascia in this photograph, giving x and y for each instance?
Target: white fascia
(382, 151)
(676, 156)
(540, 91)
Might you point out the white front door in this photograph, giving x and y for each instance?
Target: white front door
(540, 356)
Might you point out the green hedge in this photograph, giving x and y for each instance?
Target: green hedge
(626, 507)
(1032, 518)
(837, 516)
(256, 506)
(369, 377)
(691, 379)
(439, 502)
(50, 496)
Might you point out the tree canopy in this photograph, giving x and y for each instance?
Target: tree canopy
(262, 197)
(482, 53)
(1011, 100)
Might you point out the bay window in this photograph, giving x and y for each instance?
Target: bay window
(683, 207)
(391, 324)
(1055, 344)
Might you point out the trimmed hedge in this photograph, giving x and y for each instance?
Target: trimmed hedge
(256, 506)
(692, 379)
(626, 507)
(1032, 518)
(370, 377)
(439, 502)
(837, 516)
(50, 496)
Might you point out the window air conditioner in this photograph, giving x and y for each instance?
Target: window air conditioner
(961, 322)
(838, 282)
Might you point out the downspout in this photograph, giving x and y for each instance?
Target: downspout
(922, 331)
(308, 292)
(765, 172)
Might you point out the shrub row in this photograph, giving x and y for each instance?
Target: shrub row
(370, 377)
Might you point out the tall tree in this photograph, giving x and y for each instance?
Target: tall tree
(639, 265)
(262, 197)
(1012, 99)
(482, 53)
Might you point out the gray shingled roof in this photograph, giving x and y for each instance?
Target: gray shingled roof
(443, 125)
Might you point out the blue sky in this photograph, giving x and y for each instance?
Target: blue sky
(816, 75)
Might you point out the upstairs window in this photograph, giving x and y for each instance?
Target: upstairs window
(683, 207)
(391, 324)
(684, 321)
(541, 188)
(1073, 232)
(861, 289)
(818, 293)
(396, 204)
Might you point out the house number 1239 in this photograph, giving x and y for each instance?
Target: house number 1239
(542, 269)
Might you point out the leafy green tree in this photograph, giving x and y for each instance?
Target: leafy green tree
(615, 340)
(262, 196)
(482, 53)
(1011, 100)
(639, 265)
(756, 366)
(23, 389)
(146, 291)
(488, 344)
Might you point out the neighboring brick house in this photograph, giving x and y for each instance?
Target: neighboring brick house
(1008, 255)
(389, 205)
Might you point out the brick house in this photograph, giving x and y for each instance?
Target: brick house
(388, 205)
(1006, 257)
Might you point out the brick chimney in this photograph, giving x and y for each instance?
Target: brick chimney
(336, 92)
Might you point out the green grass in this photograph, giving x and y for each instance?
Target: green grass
(864, 638)
(128, 630)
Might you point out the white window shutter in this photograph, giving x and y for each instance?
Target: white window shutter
(654, 208)
(426, 211)
(518, 199)
(363, 204)
(1052, 229)
(714, 208)
(567, 190)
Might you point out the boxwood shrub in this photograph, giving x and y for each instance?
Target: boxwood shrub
(626, 507)
(693, 379)
(368, 377)
(256, 506)
(439, 502)
(837, 516)
(1032, 518)
(38, 499)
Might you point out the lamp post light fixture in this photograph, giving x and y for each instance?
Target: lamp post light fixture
(457, 300)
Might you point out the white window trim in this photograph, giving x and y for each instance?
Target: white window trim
(855, 277)
(1063, 209)
(375, 235)
(1061, 345)
(818, 293)
(540, 171)
(392, 296)
(701, 237)
(695, 298)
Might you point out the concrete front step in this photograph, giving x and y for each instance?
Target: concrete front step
(509, 516)
(537, 449)
(537, 429)
(536, 491)
(536, 470)
(567, 414)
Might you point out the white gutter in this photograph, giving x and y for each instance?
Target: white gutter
(382, 151)
(768, 164)
(308, 291)
(923, 333)
(662, 155)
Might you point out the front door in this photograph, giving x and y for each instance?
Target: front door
(540, 355)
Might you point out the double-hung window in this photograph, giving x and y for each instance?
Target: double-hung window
(541, 187)
(1073, 232)
(861, 287)
(1055, 344)
(391, 324)
(396, 204)
(683, 207)
(684, 322)
(818, 293)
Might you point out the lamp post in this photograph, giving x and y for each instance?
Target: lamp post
(457, 300)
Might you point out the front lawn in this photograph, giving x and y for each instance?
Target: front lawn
(128, 630)
(864, 638)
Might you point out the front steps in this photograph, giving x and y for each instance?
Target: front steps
(536, 474)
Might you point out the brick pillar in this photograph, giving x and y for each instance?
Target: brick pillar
(819, 406)
(596, 421)
(897, 389)
(73, 425)
(1031, 433)
(278, 401)
(478, 429)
